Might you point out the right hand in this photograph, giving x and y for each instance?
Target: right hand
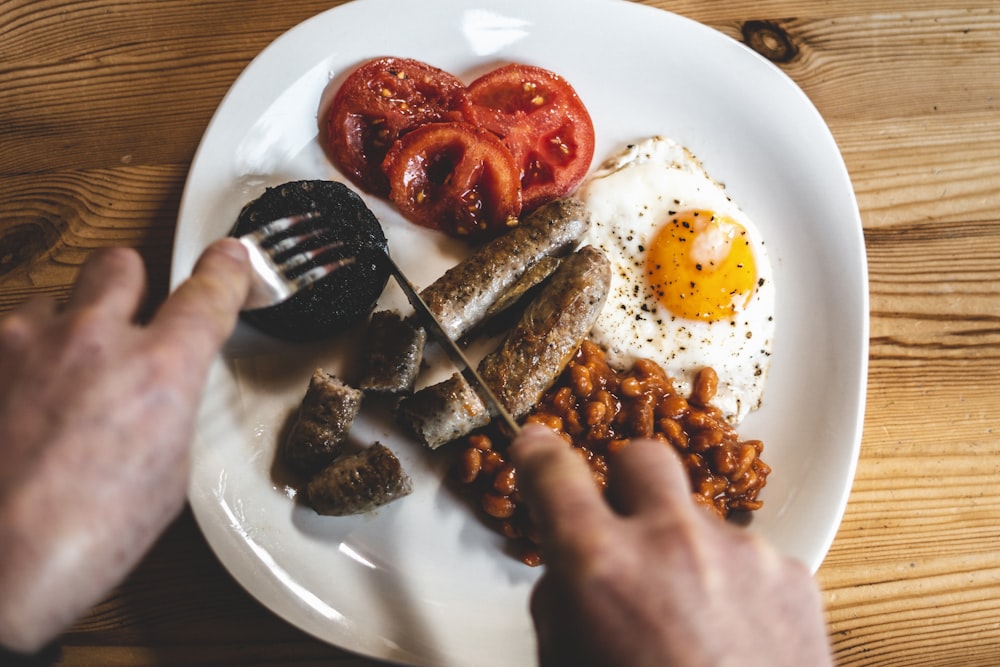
(652, 578)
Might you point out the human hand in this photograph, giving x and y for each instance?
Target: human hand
(652, 579)
(96, 417)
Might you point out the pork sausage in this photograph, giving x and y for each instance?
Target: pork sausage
(393, 350)
(461, 297)
(358, 482)
(321, 426)
(550, 330)
(442, 412)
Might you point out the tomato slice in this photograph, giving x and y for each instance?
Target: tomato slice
(455, 177)
(377, 103)
(543, 122)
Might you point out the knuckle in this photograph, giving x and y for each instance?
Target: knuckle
(16, 330)
(22, 325)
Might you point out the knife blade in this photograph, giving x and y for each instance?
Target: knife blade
(496, 409)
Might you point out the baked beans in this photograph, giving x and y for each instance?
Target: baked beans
(599, 410)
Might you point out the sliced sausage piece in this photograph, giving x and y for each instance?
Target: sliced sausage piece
(358, 482)
(393, 350)
(550, 330)
(440, 413)
(325, 416)
(461, 297)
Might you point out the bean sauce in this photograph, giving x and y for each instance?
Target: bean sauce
(599, 410)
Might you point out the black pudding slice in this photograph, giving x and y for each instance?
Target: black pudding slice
(340, 300)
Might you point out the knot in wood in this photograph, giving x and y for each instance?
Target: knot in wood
(769, 40)
(24, 243)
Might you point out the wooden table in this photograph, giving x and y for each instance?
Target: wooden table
(102, 104)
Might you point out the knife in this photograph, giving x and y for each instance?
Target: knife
(496, 409)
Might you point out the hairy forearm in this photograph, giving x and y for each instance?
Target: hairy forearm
(74, 528)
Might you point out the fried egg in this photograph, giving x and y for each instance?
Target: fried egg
(692, 284)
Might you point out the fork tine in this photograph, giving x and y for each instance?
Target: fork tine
(320, 272)
(275, 227)
(305, 256)
(292, 242)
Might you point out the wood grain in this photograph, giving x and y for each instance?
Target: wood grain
(102, 106)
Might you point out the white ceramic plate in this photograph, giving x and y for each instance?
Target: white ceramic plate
(421, 581)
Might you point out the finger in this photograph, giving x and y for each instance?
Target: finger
(202, 311)
(647, 475)
(113, 279)
(558, 488)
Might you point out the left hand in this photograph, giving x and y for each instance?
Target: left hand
(96, 417)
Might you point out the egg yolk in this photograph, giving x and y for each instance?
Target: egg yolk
(701, 267)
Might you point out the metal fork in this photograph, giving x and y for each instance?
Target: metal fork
(276, 253)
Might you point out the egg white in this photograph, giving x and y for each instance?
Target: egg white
(630, 196)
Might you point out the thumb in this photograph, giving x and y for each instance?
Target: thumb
(201, 313)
